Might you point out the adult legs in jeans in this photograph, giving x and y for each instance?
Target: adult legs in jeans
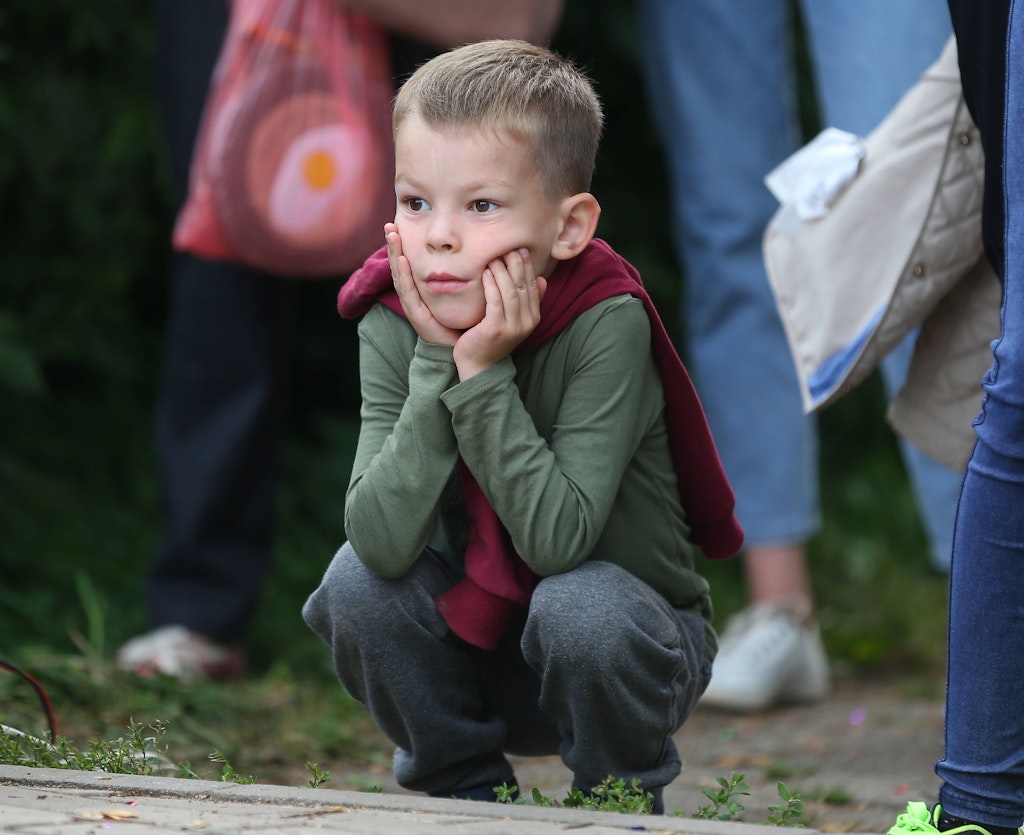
(603, 671)
(983, 768)
(866, 56)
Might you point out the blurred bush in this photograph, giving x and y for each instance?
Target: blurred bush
(82, 189)
(82, 248)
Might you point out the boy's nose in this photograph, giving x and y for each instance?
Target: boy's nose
(442, 234)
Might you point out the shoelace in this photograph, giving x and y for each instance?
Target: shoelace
(917, 818)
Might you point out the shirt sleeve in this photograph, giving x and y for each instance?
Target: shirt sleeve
(406, 452)
(554, 494)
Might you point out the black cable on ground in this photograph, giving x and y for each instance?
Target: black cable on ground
(44, 700)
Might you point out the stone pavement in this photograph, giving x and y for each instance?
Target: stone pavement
(57, 802)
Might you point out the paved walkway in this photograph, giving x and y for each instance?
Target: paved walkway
(53, 802)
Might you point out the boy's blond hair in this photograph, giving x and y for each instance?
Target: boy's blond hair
(513, 86)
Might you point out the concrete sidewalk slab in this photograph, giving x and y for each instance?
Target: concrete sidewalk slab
(55, 801)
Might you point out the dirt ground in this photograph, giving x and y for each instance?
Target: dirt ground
(855, 758)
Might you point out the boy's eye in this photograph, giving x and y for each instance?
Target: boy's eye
(484, 206)
(415, 204)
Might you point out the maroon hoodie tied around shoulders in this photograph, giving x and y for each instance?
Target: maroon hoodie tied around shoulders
(497, 580)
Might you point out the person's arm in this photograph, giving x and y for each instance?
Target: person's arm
(449, 23)
(554, 495)
(406, 452)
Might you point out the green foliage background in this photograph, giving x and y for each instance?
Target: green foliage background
(83, 253)
(83, 190)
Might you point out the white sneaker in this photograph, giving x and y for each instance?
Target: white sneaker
(767, 656)
(178, 652)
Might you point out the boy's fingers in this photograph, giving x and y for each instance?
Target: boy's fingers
(526, 281)
(393, 241)
(523, 275)
(527, 284)
(494, 298)
(502, 282)
(542, 287)
(512, 276)
(401, 270)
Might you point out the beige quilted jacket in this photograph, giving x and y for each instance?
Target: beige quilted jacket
(900, 247)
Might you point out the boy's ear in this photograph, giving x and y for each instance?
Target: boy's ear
(579, 214)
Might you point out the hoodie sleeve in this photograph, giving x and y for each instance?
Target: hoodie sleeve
(554, 494)
(406, 452)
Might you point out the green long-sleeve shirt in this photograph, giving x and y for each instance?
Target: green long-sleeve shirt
(567, 440)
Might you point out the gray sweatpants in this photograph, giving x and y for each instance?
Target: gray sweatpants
(599, 668)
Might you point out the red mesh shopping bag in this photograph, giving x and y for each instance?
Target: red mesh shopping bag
(293, 168)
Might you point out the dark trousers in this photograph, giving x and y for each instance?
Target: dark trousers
(223, 385)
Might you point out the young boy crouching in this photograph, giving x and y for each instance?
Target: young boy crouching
(533, 464)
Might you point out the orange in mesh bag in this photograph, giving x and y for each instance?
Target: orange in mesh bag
(294, 163)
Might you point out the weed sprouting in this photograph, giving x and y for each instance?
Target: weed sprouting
(611, 795)
(789, 811)
(319, 775)
(724, 800)
(509, 794)
(228, 773)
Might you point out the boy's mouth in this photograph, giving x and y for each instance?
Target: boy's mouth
(444, 283)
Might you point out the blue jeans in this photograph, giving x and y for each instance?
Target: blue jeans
(722, 92)
(983, 768)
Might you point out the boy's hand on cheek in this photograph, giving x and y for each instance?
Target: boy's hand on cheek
(512, 294)
(416, 311)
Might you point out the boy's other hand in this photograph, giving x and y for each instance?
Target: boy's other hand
(416, 310)
(512, 293)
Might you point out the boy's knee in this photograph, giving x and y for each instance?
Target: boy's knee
(598, 608)
(556, 598)
(353, 602)
(579, 607)
(344, 592)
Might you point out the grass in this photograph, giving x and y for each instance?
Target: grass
(271, 726)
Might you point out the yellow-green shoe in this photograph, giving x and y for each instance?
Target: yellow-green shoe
(920, 820)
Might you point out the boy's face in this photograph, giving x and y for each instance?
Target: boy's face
(465, 198)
